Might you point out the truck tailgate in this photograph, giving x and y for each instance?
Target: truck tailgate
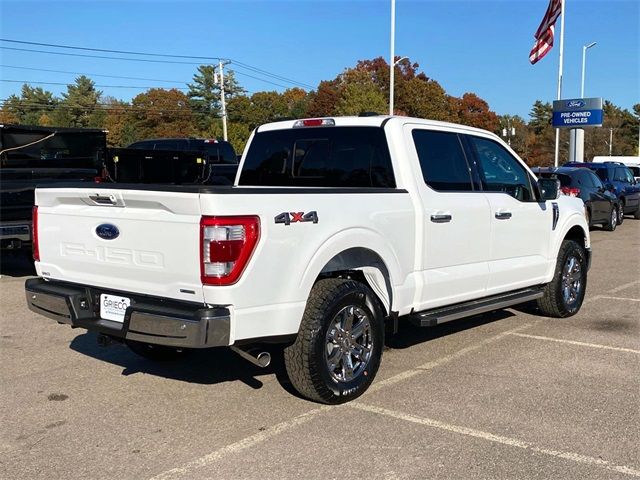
(140, 241)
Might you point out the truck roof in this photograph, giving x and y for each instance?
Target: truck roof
(374, 121)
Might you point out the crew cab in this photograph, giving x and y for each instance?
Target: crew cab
(335, 229)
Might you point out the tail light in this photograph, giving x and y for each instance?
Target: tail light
(226, 245)
(570, 191)
(36, 249)
(315, 122)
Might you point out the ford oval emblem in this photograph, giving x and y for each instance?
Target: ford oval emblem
(575, 104)
(107, 231)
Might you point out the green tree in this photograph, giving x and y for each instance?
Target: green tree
(32, 105)
(204, 94)
(79, 105)
(360, 94)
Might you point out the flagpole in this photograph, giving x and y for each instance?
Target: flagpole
(557, 151)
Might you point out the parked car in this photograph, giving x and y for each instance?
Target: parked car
(618, 179)
(335, 229)
(30, 156)
(601, 206)
(632, 162)
(176, 161)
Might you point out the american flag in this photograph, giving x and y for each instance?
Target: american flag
(544, 34)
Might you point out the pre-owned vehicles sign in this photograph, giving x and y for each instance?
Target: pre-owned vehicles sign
(577, 113)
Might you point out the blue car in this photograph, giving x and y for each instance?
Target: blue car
(619, 180)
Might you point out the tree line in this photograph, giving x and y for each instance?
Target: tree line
(160, 112)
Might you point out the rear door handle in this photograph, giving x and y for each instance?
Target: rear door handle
(503, 215)
(441, 218)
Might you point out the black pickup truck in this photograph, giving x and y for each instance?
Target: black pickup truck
(174, 161)
(31, 156)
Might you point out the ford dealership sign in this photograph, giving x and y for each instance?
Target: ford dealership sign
(577, 113)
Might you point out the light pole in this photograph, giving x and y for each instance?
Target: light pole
(584, 59)
(576, 135)
(392, 55)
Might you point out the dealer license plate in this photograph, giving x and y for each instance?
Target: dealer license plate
(112, 307)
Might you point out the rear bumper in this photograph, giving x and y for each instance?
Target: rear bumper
(148, 319)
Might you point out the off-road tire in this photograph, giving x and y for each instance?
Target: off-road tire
(636, 214)
(612, 223)
(157, 353)
(305, 359)
(554, 303)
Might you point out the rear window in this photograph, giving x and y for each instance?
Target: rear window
(319, 157)
(219, 152)
(565, 180)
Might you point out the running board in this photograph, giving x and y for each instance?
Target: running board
(436, 316)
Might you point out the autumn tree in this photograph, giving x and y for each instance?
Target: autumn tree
(161, 113)
(323, 102)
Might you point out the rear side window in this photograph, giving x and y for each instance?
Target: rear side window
(442, 160)
(319, 157)
(500, 171)
(602, 174)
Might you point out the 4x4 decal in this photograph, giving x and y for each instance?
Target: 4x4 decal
(294, 217)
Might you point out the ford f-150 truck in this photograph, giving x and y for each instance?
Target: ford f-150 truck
(334, 229)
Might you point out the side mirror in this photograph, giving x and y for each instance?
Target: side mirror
(549, 188)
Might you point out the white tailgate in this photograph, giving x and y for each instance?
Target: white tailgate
(156, 251)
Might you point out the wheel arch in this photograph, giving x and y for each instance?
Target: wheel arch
(359, 253)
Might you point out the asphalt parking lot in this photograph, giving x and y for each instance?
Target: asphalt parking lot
(504, 395)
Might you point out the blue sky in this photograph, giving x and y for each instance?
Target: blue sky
(466, 45)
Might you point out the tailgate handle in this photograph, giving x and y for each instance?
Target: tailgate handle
(103, 199)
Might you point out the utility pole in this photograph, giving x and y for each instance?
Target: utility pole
(610, 141)
(222, 102)
(509, 132)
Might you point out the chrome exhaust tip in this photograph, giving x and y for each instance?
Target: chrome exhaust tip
(261, 359)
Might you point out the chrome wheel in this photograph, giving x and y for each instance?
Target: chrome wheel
(349, 343)
(614, 217)
(571, 280)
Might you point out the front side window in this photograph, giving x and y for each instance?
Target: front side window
(442, 160)
(500, 171)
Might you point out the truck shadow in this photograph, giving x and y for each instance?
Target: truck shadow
(219, 365)
(16, 264)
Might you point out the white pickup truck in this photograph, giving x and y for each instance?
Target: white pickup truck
(333, 229)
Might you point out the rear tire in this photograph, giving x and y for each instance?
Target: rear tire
(339, 346)
(157, 353)
(610, 226)
(564, 295)
(620, 213)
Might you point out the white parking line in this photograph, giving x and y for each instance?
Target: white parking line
(442, 360)
(621, 298)
(511, 442)
(247, 442)
(573, 342)
(182, 471)
(623, 287)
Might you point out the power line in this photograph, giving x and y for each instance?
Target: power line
(49, 107)
(95, 85)
(123, 52)
(93, 74)
(149, 54)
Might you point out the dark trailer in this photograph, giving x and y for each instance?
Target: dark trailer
(31, 156)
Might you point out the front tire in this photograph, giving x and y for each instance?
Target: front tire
(339, 346)
(564, 295)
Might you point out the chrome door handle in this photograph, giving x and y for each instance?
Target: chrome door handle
(503, 215)
(441, 218)
(103, 199)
